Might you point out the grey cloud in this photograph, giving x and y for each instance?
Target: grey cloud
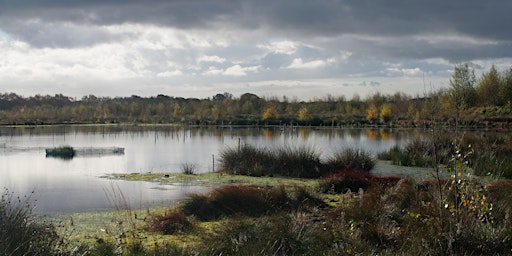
(371, 30)
(484, 19)
(338, 24)
(61, 35)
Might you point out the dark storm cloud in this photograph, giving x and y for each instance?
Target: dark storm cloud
(485, 19)
(393, 25)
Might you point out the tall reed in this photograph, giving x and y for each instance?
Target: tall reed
(21, 232)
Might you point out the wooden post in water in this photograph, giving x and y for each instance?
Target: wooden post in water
(213, 163)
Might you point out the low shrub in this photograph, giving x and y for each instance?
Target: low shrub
(342, 182)
(170, 223)
(350, 160)
(247, 200)
(227, 201)
(345, 181)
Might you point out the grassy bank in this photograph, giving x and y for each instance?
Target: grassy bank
(349, 213)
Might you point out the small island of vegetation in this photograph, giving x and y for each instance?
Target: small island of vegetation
(66, 152)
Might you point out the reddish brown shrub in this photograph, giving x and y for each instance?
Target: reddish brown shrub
(344, 181)
(170, 223)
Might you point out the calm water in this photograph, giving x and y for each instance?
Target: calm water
(76, 185)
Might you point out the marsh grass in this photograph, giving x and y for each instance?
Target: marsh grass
(350, 159)
(21, 232)
(246, 160)
(280, 234)
(291, 161)
(298, 161)
(188, 168)
(492, 156)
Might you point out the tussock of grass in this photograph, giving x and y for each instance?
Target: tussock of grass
(246, 160)
(350, 160)
(300, 161)
(188, 168)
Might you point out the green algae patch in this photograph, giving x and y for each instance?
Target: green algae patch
(125, 228)
(213, 179)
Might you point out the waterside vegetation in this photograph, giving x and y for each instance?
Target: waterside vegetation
(489, 155)
(289, 161)
(469, 101)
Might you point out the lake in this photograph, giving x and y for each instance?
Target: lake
(75, 185)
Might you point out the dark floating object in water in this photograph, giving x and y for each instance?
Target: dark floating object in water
(68, 152)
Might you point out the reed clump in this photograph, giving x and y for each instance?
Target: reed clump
(21, 232)
(350, 159)
(299, 161)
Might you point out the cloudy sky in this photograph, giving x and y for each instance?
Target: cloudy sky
(197, 48)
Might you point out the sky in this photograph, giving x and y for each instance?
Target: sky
(301, 49)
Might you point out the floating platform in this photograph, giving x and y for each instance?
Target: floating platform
(69, 152)
(100, 151)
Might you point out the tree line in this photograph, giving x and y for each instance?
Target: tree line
(468, 100)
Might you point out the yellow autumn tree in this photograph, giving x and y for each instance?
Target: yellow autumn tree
(303, 114)
(269, 113)
(386, 113)
(176, 110)
(372, 113)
